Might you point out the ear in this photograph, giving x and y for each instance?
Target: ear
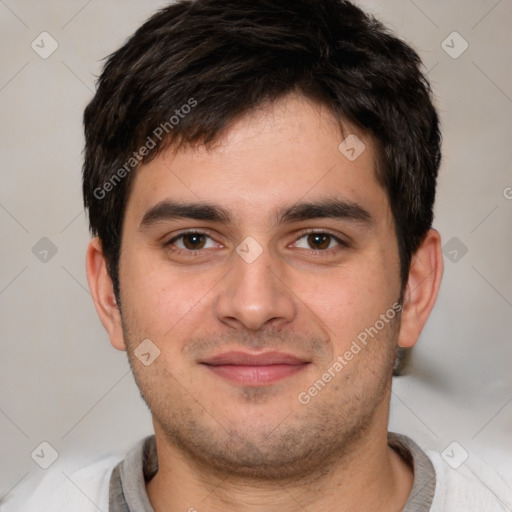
(422, 288)
(102, 291)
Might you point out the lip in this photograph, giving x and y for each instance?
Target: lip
(248, 359)
(255, 369)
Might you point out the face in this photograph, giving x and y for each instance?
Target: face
(253, 267)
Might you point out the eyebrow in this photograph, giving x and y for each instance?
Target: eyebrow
(326, 208)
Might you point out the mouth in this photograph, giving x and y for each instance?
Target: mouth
(248, 369)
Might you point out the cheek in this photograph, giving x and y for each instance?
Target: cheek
(157, 297)
(351, 298)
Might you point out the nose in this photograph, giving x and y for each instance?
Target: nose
(255, 294)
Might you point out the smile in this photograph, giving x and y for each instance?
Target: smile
(255, 369)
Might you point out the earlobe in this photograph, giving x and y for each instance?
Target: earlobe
(102, 292)
(423, 285)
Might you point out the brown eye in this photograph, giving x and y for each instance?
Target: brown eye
(319, 240)
(193, 241)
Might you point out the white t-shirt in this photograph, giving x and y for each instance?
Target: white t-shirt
(117, 484)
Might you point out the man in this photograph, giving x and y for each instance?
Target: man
(260, 179)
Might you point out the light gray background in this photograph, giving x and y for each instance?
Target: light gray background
(60, 379)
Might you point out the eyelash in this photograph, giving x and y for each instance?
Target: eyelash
(319, 252)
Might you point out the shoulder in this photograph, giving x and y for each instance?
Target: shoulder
(454, 480)
(469, 486)
(56, 491)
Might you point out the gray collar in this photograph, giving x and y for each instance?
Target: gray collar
(424, 485)
(127, 492)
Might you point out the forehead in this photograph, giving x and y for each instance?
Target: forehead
(289, 151)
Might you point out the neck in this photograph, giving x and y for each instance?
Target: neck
(371, 477)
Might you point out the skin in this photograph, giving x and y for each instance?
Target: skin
(230, 447)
